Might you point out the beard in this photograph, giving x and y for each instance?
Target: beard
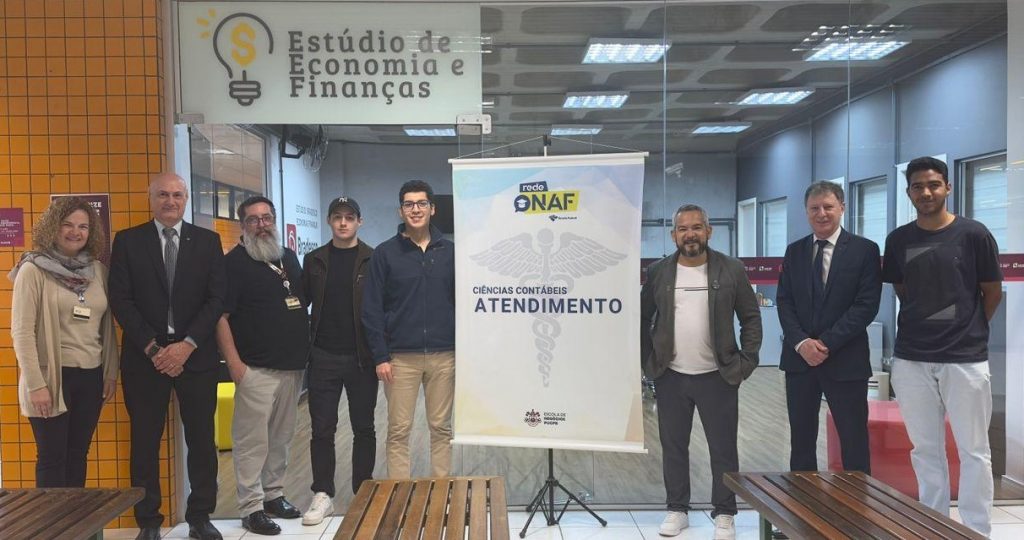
(937, 206)
(263, 248)
(693, 249)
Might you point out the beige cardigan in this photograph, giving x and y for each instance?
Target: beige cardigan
(35, 324)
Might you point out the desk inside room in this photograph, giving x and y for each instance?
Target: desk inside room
(62, 513)
(428, 508)
(827, 504)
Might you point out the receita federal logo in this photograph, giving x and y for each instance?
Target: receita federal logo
(535, 198)
(237, 40)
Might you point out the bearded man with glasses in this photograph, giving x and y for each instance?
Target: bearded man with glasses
(409, 320)
(264, 339)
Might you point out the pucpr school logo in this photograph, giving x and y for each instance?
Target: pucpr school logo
(237, 40)
(534, 198)
(532, 418)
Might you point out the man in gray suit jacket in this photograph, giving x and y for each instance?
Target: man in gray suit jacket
(688, 348)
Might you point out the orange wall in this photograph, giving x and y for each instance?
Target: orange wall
(81, 111)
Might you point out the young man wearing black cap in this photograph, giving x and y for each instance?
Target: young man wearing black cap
(333, 277)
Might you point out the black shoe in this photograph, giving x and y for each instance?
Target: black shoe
(259, 523)
(281, 508)
(204, 530)
(148, 533)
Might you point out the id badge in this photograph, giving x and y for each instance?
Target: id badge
(81, 313)
(292, 302)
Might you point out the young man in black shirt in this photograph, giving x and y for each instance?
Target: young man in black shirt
(945, 270)
(264, 338)
(332, 278)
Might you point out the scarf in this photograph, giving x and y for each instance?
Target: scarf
(74, 273)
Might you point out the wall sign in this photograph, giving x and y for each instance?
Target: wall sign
(328, 62)
(12, 227)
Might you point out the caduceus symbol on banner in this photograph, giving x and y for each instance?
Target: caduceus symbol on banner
(576, 257)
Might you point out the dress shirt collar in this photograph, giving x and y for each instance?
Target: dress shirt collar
(160, 227)
(831, 239)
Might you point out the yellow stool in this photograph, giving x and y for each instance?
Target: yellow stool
(222, 418)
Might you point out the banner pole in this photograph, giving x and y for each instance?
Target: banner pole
(548, 508)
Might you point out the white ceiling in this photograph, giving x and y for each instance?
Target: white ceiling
(719, 51)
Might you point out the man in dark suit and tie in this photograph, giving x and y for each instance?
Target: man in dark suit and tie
(828, 294)
(167, 288)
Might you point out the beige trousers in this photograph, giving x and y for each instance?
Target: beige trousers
(266, 402)
(436, 372)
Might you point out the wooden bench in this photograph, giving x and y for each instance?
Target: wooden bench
(451, 507)
(831, 505)
(62, 513)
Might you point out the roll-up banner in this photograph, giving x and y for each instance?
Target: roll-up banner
(548, 302)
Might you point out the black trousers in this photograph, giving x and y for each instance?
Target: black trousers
(62, 442)
(147, 394)
(329, 374)
(848, 401)
(717, 402)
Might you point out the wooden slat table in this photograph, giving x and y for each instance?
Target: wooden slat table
(827, 504)
(449, 508)
(62, 513)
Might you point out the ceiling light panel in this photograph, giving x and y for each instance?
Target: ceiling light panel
(429, 131)
(866, 50)
(718, 128)
(595, 100)
(575, 129)
(624, 51)
(775, 96)
(853, 42)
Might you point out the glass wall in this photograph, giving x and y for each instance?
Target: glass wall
(744, 106)
(228, 166)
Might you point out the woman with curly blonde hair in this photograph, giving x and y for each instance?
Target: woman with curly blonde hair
(63, 338)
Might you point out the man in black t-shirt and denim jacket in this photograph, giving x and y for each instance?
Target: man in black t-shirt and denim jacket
(945, 269)
(264, 339)
(332, 278)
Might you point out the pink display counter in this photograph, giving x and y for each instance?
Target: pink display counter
(890, 449)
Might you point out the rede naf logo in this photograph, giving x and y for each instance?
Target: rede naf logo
(534, 198)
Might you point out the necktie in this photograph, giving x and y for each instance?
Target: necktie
(818, 280)
(170, 261)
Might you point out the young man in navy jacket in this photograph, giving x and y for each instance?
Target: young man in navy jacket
(409, 320)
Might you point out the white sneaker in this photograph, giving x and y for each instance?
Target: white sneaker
(725, 527)
(674, 523)
(321, 507)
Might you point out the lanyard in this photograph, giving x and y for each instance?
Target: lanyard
(282, 274)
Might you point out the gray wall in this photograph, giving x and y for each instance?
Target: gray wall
(332, 184)
(373, 174)
(776, 167)
(708, 180)
(957, 107)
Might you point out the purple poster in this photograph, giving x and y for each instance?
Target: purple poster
(12, 227)
(101, 202)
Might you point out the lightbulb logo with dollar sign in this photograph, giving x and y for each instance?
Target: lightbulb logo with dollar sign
(240, 38)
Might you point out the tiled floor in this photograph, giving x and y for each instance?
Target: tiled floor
(1007, 524)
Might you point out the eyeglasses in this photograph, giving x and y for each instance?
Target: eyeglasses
(256, 220)
(409, 205)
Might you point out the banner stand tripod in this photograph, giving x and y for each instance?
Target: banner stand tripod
(547, 507)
